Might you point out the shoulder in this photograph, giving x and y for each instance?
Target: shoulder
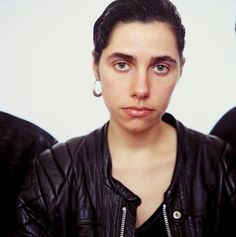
(206, 156)
(194, 142)
(226, 127)
(78, 149)
(19, 130)
(21, 140)
(18, 126)
(227, 121)
(65, 163)
(230, 115)
(201, 141)
(213, 154)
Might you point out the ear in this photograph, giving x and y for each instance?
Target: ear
(95, 67)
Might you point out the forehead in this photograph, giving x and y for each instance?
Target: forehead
(134, 37)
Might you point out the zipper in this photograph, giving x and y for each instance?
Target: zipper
(123, 220)
(166, 221)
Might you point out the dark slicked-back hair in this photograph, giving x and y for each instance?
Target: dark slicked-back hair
(144, 11)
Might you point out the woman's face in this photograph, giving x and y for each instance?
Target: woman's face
(138, 70)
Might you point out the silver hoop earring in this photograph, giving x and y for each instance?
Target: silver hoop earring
(97, 88)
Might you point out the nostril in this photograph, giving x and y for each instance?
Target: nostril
(141, 93)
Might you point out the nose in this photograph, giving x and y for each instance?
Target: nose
(140, 87)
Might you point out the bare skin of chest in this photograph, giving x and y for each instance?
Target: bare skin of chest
(149, 181)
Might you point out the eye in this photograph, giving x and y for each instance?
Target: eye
(121, 66)
(161, 69)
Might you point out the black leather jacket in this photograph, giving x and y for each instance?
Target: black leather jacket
(225, 128)
(70, 191)
(20, 140)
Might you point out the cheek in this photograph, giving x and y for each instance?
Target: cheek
(163, 96)
(107, 85)
(170, 88)
(164, 91)
(111, 92)
(113, 86)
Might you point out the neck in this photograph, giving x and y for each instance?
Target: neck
(123, 143)
(138, 150)
(133, 140)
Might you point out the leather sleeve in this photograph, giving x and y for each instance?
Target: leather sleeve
(44, 188)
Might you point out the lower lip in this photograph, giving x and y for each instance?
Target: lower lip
(138, 113)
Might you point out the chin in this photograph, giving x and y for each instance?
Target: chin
(138, 127)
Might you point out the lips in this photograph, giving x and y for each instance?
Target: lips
(138, 112)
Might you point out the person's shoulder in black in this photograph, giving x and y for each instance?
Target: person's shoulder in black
(225, 128)
(20, 141)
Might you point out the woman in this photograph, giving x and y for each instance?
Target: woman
(143, 173)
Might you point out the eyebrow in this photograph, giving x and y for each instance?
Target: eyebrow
(130, 58)
(123, 56)
(164, 58)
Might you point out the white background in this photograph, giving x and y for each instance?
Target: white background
(45, 64)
